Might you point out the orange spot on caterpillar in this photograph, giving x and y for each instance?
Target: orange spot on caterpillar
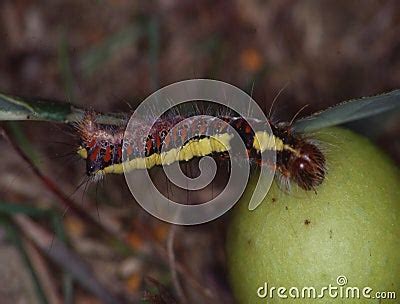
(149, 146)
(202, 128)
(129, 150)
(92, 143)
(184, 134)
(107, 156)
(119, 151)
(94, 153)
(158, 142)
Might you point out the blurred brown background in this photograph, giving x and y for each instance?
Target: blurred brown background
(105, 54)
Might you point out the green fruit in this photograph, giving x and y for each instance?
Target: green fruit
(351, 228)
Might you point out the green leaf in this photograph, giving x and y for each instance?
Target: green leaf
(17, 108)
(350, 111)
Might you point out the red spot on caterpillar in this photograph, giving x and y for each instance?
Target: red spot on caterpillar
(149, 146)
(184, 134)
(202, 127)
(158, 142)
(247, 129)
(107, 156)
(174, 135)
(94, 153)
(129, 150)
(92, 143)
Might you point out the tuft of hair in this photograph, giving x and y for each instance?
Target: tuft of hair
(87, 126)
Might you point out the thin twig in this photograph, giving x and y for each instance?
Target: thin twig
(14, 108)
(64, 257)
(172, 264)
(43, 273)
(184, 271)
(52, 187)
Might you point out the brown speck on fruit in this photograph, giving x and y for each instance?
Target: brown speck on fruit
(307, 222)
(286, 207)
(273, 199)
(330, 233)
(249, 242)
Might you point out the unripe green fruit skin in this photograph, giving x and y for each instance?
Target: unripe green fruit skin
(351, 227)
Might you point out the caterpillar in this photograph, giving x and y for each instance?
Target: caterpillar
(297, 157)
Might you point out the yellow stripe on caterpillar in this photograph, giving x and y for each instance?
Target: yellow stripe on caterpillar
(264, 141)
(193, 148)
(205, 146)
(82, 152)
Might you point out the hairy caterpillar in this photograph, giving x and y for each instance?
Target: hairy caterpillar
(298, 158)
